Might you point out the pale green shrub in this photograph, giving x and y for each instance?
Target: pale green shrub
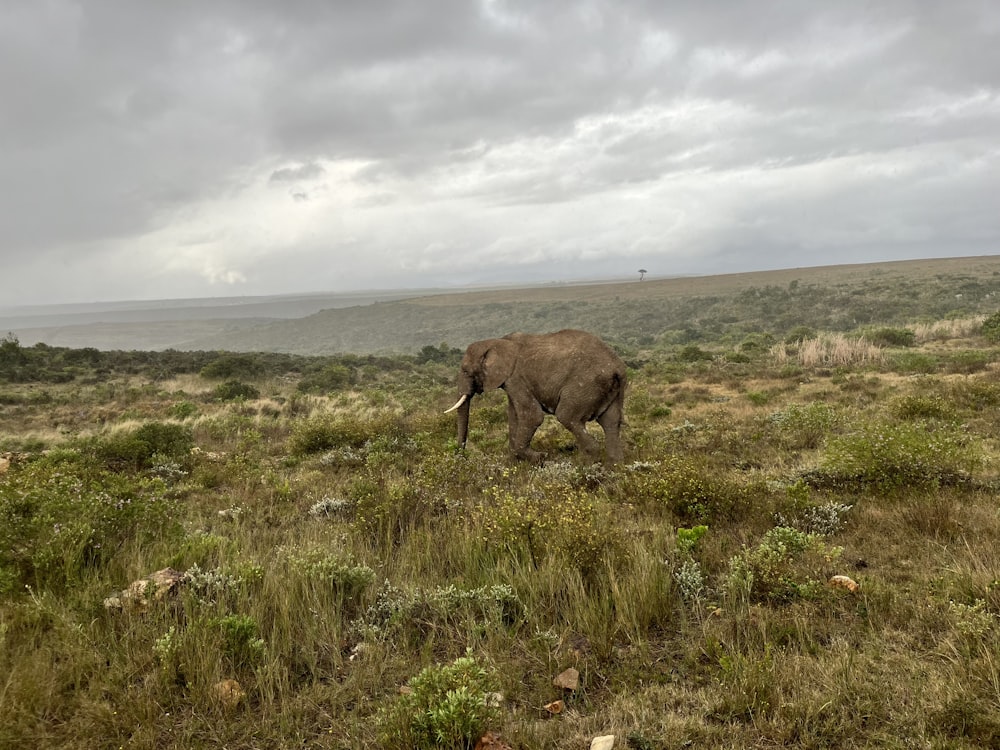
(448, 706)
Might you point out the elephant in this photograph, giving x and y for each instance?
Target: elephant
(571, 374)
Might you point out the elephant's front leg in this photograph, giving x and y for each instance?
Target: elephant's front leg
(524, 416)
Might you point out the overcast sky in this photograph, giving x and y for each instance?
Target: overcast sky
(189, 149)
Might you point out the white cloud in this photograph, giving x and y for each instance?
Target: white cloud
(182, 149)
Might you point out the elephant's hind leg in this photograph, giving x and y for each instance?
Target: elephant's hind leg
(611, 422)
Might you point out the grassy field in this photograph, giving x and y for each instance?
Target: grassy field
(346, 578)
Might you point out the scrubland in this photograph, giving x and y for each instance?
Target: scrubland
(367, 584)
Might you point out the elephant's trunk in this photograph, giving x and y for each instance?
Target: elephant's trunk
(463, 421)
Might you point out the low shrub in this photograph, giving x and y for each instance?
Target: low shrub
(968, 362)
(913, 363)
(241, 643)
(140, 448)
(447, 706)
(565, 521)
(234, 390)
(329, 431)
(60, 515)
(691, 490)
(183, 410)
(412, 613)
(913, 406)
(786, 564)
(891, 336)
(972, 394)
(344, 579)
(889, 456)
(804, 426)
(234, 366)
(333, 377)
(991, 328)
(693, 353)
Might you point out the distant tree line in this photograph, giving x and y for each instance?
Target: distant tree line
(42, 363)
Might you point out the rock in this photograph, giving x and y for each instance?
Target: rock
(555, 707)
(154, 587)
(491, 741)
(568, 679)
(606, 742)
(229, 693)
(843, 582)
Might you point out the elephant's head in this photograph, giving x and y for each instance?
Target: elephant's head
(485, 366)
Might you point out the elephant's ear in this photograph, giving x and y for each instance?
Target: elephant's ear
(498, 363)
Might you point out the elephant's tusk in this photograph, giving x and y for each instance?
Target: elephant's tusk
(460, 402)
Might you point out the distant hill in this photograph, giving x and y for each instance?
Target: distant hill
(647, 312)
(634, 313)
(166, 324)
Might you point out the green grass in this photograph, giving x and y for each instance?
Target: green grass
(369, 585)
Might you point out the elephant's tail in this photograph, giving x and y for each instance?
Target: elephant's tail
(616, 394)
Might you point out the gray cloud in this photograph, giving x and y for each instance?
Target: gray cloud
(291, 174)
(450, 140)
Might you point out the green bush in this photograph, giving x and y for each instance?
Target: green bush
(693, 353)
(414, 613)
(688, 538)
(241, 643)
(61, 514)
(891, 336)
(333, 377)
(691, 490)
(328, 431)
(234, 366)
(564, 521)
(328, 572)
(787, 563)
(913, 362)
(799, 334)
(804, 426)
(922, 407)
(183, 410)
(888, 456)
(757, 343)
(234, 390)
(968, 362)
(991, 328)
(449, 706)
(975, 395)
(136, 449)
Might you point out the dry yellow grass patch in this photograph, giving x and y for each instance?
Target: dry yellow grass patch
(948, 329)
(830, 350)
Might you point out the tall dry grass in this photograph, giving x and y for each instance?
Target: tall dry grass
(942, 330)
(829, 350)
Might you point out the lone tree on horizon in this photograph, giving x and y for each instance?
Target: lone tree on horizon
(642, 273)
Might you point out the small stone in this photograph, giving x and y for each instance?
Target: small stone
(154, 587)
(568, 679)
(491, 741)
(229, 693)
(555, 707)
(843, 582)
(605, 742)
